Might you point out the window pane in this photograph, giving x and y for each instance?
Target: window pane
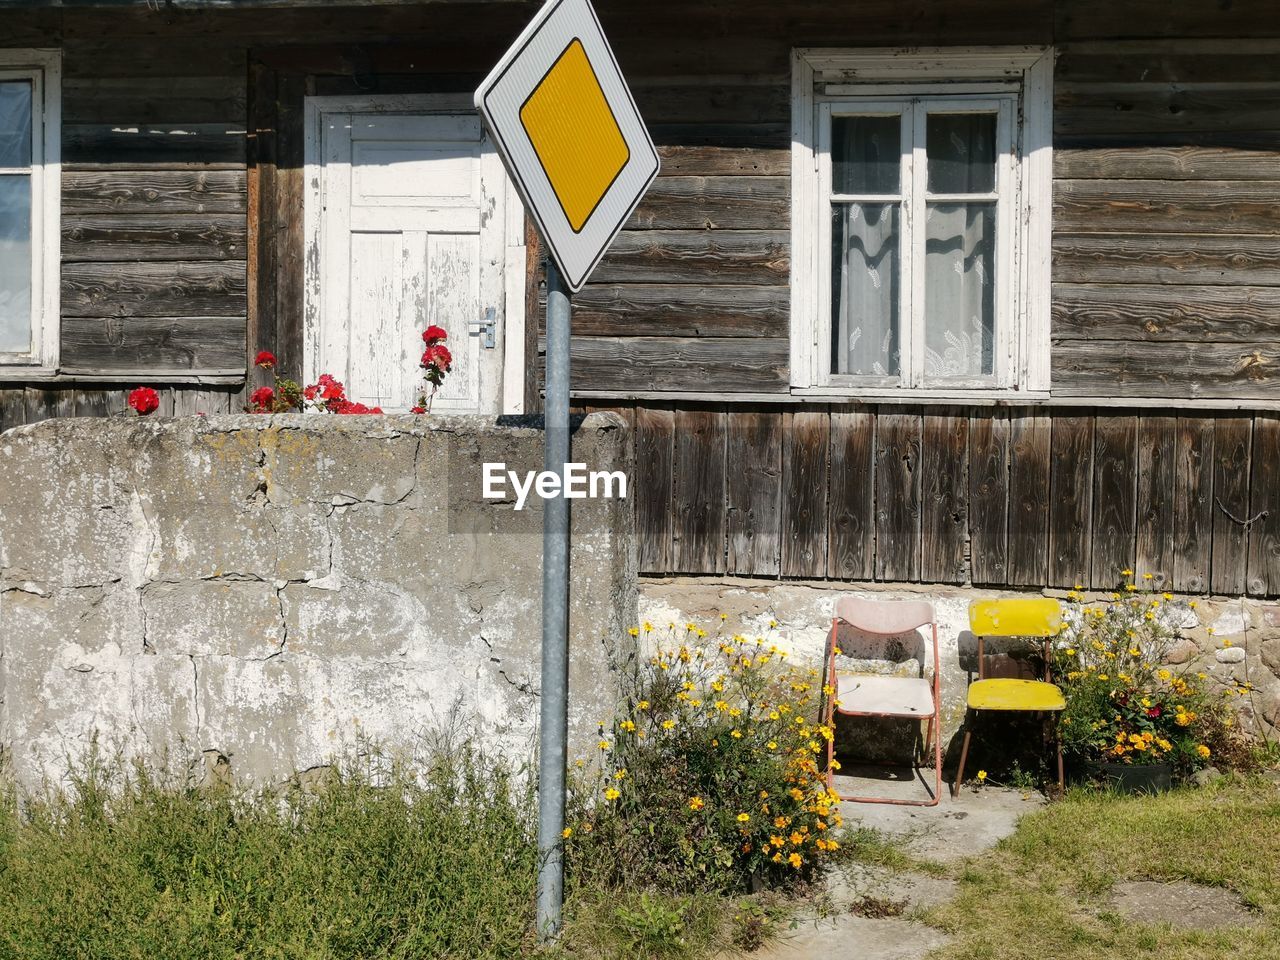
(864, 289)
(959, 303)
(15, 264)
(866, 154)
(962, 152)
(15, 123)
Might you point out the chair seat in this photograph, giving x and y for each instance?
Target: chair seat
(865, 693)
(1011, 694)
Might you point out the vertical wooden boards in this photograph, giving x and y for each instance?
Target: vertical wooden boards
(1115, 456)
(12, 408)
(805, 439)
(263, 259)
(1192, 504)
(944, 500)
(898, 497)
(40, 404)
(753, 487)
(1232, 442)
(1070, 496)
(989, 497)
(1157, 462)
(92, 403)
(290, 187)
(851, 506)
(652, 484)
(1263, 577)
(698, 491)
(1030, 437)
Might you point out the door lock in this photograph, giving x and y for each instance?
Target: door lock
(488, 328)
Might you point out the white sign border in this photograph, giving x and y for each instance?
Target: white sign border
(506, 89)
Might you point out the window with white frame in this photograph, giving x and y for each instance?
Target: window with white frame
(920, 221)
(29, 196)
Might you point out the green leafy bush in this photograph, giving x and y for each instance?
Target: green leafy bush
(708, 778)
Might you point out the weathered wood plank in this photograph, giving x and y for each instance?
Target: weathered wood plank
(93, 403)
(1165, 206)
(1232, 445)
(1113, 526)
(989, 497)
(713, 100)
(1177, 60)
(107, 57)
(1264, 496)
(754, 492)
(682, 161)
(1193, 504)
(260, 176)
(679, 310)
(146, 191)
(124, 238)
(1157, 466)
(41, 403)
(1166, 163)
(708, 364)
(1141, 312)
(153, 290)
(1091, 109)
(1106, 20)
(698, 492)
(1030, 437)
(944, 501)
(12, 408)
(151, 100)
(851, 516)
(715, 203)
(898, 495)
(290, 242)
(150, 345)
(805, 438)
(1144, 258)
(1070, 501)
(112, 143)
(695, 256)
(1157, 368)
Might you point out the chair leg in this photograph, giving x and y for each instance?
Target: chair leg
(964, 753)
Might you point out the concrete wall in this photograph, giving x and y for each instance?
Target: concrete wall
(1234, 640)
(272, 589)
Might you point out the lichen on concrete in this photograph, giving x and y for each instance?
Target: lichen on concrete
(271, 590)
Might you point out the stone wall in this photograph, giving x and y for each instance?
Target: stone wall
(1234, 640)
(273, 590)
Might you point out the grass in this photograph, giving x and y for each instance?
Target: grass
(1044, 891)
(381, 860)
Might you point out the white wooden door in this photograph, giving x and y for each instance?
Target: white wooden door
(409, 232)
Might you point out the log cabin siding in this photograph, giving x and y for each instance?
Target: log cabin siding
(182, 255)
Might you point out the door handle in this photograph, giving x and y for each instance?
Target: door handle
(488, 328)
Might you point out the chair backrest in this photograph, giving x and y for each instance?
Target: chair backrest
(884, 617)
(1015, 617)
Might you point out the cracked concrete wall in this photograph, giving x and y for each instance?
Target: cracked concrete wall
(274, 590)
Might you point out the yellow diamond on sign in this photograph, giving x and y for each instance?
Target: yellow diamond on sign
(575, 134)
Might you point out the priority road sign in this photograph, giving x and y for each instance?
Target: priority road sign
(569, 132)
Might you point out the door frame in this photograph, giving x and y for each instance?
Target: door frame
(511, 321)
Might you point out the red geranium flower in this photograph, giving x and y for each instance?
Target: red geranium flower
(418, 410)
(266, 359)
(144, 400)
(263, 400)
(438, 356)
(434, 334)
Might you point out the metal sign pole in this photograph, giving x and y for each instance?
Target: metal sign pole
(553, 728)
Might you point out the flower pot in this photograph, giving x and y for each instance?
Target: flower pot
(1130, 777)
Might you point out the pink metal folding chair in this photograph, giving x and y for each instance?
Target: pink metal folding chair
(872, 695)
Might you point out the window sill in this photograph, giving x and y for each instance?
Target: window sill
(45, 376)
(972, 395)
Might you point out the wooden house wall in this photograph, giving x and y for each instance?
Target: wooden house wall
(182, 203)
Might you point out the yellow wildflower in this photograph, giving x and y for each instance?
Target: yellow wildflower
(611, 794)
(696, 803)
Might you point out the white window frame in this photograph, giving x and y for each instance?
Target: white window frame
(43, 68)
(1014, 82)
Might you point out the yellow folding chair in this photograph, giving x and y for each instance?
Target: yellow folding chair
(872, 695)
(1021, 617)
